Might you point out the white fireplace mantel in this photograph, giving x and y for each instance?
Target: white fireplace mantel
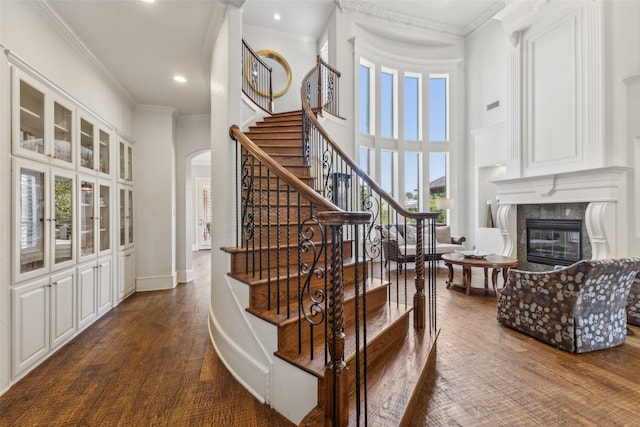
(592, 185)
(603, 188)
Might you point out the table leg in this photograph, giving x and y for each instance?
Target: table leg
(450, 279)
(494, 280)
(486, 281)
(466, 278)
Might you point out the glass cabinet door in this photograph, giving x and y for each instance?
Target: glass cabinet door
(123, 224)
(122, 160)
(87, 209)
(31, 118)
(104, 218)
(86, 144)
(62, 218)
(32, 206)
(129, 163)
(62, 131)
(104, 152)
(130, 216)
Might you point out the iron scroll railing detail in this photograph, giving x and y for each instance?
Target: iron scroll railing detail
(257, 81)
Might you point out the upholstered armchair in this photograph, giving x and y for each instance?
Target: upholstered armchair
(578, 308)
(399, 244)
(633, 303)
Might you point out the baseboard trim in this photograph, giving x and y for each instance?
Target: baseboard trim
(155, 283)
(185, 276)
(237, 360)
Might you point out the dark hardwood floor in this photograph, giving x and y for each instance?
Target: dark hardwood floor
(150, 362)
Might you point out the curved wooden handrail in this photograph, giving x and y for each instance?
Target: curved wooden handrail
(336, 72)
(356, 168)
(255, 55)
(288, 177)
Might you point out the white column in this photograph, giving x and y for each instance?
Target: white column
(597, 218)
(507, 223)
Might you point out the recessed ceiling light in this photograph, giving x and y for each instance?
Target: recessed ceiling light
(180, 79)
(149, 1)
(276, 16)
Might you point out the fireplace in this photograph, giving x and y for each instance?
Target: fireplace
(554, 241)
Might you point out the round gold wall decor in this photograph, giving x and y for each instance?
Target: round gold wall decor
(280, 73)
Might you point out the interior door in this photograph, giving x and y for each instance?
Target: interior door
(203, 213)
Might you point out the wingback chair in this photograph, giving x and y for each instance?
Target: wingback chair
(578, 308)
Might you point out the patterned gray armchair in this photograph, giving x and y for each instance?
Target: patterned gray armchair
(633, 303)
(578, 308)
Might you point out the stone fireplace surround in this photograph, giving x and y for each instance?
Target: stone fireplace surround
(552, 211)
(603, 190)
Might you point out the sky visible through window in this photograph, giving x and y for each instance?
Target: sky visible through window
(437, 109)
(386, 105)
(364, 99)
(411, 108)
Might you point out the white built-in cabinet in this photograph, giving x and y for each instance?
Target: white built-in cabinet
(43, 317)
(69, 168)
(125, 238)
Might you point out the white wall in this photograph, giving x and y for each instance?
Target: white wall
(621, 58)
(32, 38)
(193, 137)
(155, 198)
(485, 56)
(300, 52)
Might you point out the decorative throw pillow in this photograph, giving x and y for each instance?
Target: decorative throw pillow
(410, 235)
(395, 234)
(443, 234)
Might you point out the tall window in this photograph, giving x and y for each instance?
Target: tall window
(437, 182)
(412, 181)
(365, 99)
(408, 130)
(411, 108)
(438, 108)
(364, 160)
(387, 173)
(386, 105)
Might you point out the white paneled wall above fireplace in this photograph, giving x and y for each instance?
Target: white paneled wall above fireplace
(555, 87)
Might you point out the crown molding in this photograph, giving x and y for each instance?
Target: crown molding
(365, 8)
(73, 40)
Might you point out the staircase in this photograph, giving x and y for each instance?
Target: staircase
(385, 356)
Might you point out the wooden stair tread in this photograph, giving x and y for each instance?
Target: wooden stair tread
(393, 387)
(280, 318)
(272, 274)
(377, 323)
(273, 247)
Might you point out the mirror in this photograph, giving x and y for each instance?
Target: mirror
(280, 73)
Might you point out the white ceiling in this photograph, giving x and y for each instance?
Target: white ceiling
(144, 45)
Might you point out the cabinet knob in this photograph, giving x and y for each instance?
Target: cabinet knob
(54, 283)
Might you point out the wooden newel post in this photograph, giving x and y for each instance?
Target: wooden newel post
(419, 300)
(335, 375)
